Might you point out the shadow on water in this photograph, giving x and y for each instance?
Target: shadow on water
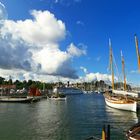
(77, 118)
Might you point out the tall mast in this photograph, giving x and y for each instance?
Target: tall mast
(137, 50)
(111, 64)
(123, 70)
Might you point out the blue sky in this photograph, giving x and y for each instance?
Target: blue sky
(89, 24)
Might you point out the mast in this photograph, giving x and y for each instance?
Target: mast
(123, 70)
(111, 64)
(43, 86)
(137, 51)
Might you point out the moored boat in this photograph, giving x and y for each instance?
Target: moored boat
(58, 98)
(134, 132)
(68, 90)
(112, 99)
(16, 99)
(129, 93)
(121, 103)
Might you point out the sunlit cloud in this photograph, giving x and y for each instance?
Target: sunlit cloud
(33, 46)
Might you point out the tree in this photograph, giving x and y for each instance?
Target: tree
(1, 80)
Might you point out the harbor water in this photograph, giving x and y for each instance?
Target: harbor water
(77, 118)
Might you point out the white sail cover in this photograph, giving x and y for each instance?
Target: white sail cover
(133, 94)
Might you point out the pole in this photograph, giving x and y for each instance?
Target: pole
(108, 132)
(123, 70)
(103, 133)
(111, 64)
(137, 51)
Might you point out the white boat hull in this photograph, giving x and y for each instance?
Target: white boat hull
(15, 99)
(58, 99)
(122, 106)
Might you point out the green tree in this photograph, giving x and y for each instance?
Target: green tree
(2, 80)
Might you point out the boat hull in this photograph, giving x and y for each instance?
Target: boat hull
(132, 106)
(68, 91)
(18, 100)
(133, 132)
(58, 99)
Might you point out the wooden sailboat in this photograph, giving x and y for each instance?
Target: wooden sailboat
(115, 101)
(131, 93)
(134, 132)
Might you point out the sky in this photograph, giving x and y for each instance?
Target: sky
(51, 40)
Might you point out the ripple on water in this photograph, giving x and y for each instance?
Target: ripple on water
(77, 118)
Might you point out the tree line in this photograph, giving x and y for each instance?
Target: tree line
(42, 85)
(26, 84)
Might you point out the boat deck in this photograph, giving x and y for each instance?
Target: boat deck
(134, 133)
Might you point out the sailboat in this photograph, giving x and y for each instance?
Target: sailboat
(57, 95)
(134, 132)
(113, 100)
(134, 94)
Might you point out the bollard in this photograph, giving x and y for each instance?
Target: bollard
(108, 132)
(103, 133)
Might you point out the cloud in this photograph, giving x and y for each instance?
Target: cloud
(84, 69)
(44, 28)
(98, 76)
(75, 51)
(3, 12)
(134, 71)
(55, 62)
(14, 54)
(32, 46)
(80, 23)
(24, 75)
(89, 77)
(64, 2)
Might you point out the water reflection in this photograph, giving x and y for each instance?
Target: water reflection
(120, 121)
(76, 118)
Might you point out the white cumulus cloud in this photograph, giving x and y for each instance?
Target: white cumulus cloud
(91, 76)
(32, 46)
(3, 12)
(98, 76)
(44, 28)
(75, 51)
